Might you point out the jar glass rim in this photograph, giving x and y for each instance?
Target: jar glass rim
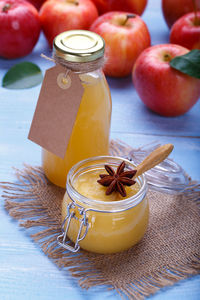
(108, 205)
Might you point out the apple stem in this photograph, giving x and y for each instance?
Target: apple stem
(167, 57)
(75, 2)
(196, 21)
(129, 16)
(6, 7)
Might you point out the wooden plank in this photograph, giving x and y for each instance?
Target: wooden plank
(130, 115)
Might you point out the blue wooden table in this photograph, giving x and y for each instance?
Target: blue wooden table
(25, 272)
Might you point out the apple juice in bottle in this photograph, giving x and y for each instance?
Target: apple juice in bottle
(90, 133)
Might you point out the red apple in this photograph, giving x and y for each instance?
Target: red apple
(36, 3)
(60, 15)
(126, 36)
(186, 31)
(134, 6)
(174, 9)
(163, 89)
(19, 28)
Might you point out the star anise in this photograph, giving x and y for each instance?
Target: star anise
(117, 181)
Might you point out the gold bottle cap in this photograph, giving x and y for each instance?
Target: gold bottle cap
(79, 46)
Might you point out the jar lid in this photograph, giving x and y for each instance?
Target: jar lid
(167, 177)
(79, 46)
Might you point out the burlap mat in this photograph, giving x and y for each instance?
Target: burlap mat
(170, 250)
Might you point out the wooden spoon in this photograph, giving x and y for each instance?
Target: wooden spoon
(154, 158)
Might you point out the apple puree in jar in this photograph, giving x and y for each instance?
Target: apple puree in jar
(115, 222)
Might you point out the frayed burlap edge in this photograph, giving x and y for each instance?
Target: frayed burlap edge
(23, 204)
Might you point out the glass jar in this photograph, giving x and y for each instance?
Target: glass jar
(90, 134)
(102, 226)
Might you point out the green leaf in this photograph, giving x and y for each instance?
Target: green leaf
(21, 76)
(188, 64)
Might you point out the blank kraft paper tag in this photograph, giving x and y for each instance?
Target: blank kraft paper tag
(56, 110)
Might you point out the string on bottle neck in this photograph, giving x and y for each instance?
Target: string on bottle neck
(77, 67)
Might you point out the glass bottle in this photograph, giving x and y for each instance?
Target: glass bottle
(90, 134)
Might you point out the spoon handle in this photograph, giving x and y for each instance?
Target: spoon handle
(154, 158)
